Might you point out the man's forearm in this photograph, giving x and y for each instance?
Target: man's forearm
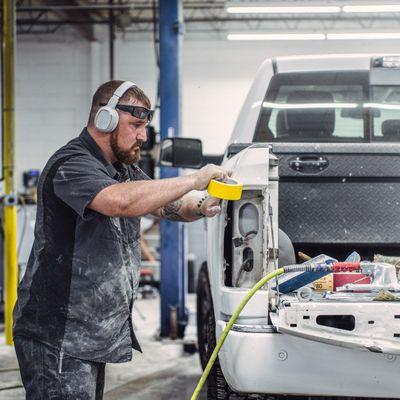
(186, 209)
(138, 198)
(133, 199)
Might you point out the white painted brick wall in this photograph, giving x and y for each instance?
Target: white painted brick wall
(52, 92)
(57, 74)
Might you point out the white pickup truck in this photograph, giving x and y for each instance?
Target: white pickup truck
(316, 146)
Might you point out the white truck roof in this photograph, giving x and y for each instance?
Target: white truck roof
(326, 62)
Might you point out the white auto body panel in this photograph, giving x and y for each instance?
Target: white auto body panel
(285, 364)
(230, 298)
(251, 167)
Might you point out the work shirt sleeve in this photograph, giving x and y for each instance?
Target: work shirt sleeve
(78, 180)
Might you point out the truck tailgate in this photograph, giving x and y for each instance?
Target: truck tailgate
(340, 193)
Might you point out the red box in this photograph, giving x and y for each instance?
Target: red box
(342, 278)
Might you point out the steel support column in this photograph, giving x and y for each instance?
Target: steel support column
(111, 38)
(173, 282)
(10, 202)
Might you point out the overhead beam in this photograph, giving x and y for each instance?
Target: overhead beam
(192, 20)
(79, 7)
(34, 21)
(77, 14)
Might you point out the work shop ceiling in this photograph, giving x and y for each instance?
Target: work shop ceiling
(216, 17)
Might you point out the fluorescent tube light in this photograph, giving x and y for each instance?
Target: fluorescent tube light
(276, 36)
(363, 35)
(254, 9)
(372, 8)
(289, 106)
(382, 106)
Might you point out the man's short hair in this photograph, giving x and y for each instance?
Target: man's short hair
(106, 90)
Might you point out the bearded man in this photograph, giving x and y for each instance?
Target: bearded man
(74, 307)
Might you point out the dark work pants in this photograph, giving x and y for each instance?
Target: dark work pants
(47, 377)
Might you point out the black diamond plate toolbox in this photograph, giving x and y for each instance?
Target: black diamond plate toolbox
(345, 194)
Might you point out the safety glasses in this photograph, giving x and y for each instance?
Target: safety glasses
(136, 111)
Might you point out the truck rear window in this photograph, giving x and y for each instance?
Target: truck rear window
(328, 107)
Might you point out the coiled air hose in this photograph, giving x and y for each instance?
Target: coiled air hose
(337, 266)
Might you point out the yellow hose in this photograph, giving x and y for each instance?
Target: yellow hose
(228, 327)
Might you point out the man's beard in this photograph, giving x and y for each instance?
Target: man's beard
(125, 156)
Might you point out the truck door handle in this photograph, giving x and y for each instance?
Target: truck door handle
(308, 163)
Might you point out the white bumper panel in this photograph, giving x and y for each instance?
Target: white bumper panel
(376, 324)
(277, 363)
(230, 300)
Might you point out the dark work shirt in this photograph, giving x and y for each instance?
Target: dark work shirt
(83, 271)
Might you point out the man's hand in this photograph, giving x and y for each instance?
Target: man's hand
(190, 208)
(210, 207)
(205, 174)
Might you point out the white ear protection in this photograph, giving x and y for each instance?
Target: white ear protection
(106, 119)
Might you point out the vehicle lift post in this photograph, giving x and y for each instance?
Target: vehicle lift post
(10, 200)
(172, 234)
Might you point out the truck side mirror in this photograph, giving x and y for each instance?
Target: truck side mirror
(181, 153)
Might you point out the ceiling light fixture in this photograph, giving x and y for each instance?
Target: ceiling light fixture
(314, 36)
(363, 35)
(372, 8)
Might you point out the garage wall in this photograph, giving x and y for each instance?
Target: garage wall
(51, 95)
(57, 74)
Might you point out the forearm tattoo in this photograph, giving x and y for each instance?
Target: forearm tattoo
(171, 211)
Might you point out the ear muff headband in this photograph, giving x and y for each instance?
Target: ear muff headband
(119, 92)
(106, 119)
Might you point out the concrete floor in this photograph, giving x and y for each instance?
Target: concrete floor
(163, 371)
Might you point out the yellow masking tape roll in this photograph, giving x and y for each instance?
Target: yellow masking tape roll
(229, 190)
